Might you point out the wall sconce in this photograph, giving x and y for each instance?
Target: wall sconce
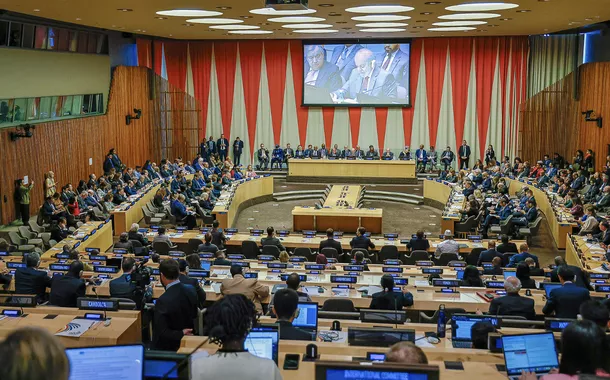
(27, 132)
(589, 116)
(129, 118)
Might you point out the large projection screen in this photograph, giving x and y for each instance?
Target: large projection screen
(357, 73)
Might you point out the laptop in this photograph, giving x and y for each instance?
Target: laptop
(509, 273)
(529, 352)
(347, 370)
(307, 318)
(461, 325)
(165, 365)
(109, 362)
(263, 341)
(378, 336)
(549, 286)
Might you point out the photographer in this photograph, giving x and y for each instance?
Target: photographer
(132, 284)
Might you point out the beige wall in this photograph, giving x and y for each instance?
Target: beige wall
(32, 73)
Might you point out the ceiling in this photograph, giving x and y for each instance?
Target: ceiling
(541, 16)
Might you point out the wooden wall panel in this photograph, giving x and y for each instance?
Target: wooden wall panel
(551, 121)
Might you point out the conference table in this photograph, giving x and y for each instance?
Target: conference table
(337, 170)
(239, 196)
(127, 213)
(89, 235)
(588, 256)
(437, 194)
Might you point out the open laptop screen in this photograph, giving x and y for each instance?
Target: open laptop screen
(263, 342)
(307, 316)
(112, 362)
(461, 325)
(531, 352)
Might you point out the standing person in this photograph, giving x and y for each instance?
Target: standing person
(223, 146)
(565, 302)
(250, 287)
(211, 147)
(24, 201)
(238, 148)
(49, 184)
(464, 153)
(490, 154)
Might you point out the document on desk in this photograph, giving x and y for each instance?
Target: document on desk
(76, 328)
(311, 290)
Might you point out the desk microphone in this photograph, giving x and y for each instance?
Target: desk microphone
(336, 326)
(94, 290)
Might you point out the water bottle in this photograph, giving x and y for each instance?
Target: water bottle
(440, 324)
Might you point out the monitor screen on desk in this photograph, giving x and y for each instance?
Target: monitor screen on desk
(530, 352)
(550, 286)
(461, 325)
(378, 337)
(263, 342)
(383, 316)
(159, 363)
(345, 371)
(103, 363)
(307, 316)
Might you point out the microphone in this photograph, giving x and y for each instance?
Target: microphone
(183, 361)
(94, 290)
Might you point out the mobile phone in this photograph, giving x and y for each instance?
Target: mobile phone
(291, 361)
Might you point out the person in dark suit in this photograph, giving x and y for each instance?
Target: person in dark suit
(496, 270)
(330, 242)
(488, 255)
(388, 299)
(175, 310)
(595, 311)
(521, 256)
(396, 62)
(207, 246)
(343, 57)
(211, 144)
(133, 234)
(523, 274)
(512, 303)
(565, 302)
(506, 246)
(534, 271)
(30, 280)
(122, 287)
(285, 306)
(272, 240)
(238, 148)
(220, 259)
(464, 155)
(320, 73)
(67, 288)
(604, 235)
(222, 145)
(580, 279)
(60, 231)
(218, 237)
(108, 164)
(447, 158)
(361, 241)
(419, 243)
(368, 79)
(185, 279)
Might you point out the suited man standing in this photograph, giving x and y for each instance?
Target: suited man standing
(368, 78)
(320, 73)
(185, 279)
(249, 287)
(218, 237)
(361, 241)
(122, 287)
(67, 288)
(488, 255)
(343, 57)
(512, 303)
(30, 280)
(222, 145)
(211, 146)
(464, 154)
(565, 301)
(396, 62)
(330, 242)
(238, 148)
(175, 310)
(580, 277)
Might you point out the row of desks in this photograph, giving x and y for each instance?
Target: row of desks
(89, 235)
(226, 212)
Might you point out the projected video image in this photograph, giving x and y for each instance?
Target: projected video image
(356, 74)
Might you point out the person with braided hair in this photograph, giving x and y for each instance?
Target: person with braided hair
(228, 322)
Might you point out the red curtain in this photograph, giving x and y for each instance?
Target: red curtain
(201, 64)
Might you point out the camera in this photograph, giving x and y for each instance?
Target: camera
(140, 277)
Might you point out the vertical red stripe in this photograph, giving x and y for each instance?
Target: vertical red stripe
(158, 56)
(460, 56)
(296, 57)
(225, 55)
(435, 54)
(505, 49)
(485, 65)
(381, 116)
(175, 63)
(328, 116)
(144, 47)
(354, 123)
(276, 57)
(407, 113)
(201, 64)
(251, 59)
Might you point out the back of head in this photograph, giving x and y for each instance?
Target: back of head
(497, 261)
(321, 259)
(284, 257)
(530, 262)
(230, 319)
(491, 244)
(359, 257)
(504, 239)
(128, 264)
(270, 230)
(293, 281)
(169, 269)
(523, 271)
(420, 235)
(387, 282)
(560, 261)
(330, 233)
(193, 260)
(161, 230)
(595, 311)
(565, 273)
(524, 248)
(124, 238)
(471, 272)
(406, 353)
(76, 267)
(33, 354)
(235, 270)
(32, 259)
(480, 333)
(155, 258)
(285, 303)
(361, 230)
(182, 265)
(208, 237)
(583, 348)
(215, 224)
(512, 285)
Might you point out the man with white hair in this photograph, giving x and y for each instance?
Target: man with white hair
(447, 246)
(134, 234)
(512, 303)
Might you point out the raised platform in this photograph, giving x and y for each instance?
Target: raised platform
(352, 171)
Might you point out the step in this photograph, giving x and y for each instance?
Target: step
(298, 192)
(393, 193)
(394, 199)
(296, 197)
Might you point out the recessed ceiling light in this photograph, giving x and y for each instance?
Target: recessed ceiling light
(161, 18)
(469, 16)
(125, 10)
(214, 21)
(273, 12)
(421, 21)
(326, 5)
(493, 25)
(505, 19)
(36, 10)
(481, 7)
(189, 13)
(382, 25)
(137, 30)
(340, 22)
(188, 25)
(307, 26)
(299, 19)
(373, 18)
(171, 35)
(432, 2)
(224, 8)
(459, 23)
(426, 13)
(383, 30)
(78, 19)
(417, 27)
(250, 32)
(451, 29)
(523, 11)
(334, 14)
(379, 9)
(245, 17)
(315, 31)
(143, 31)
(235, 27)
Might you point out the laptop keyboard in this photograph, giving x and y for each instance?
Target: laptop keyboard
(462, 344)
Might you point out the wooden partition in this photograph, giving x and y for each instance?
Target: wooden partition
(552, 120)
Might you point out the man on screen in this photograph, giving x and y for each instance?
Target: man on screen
(318, 72)
(396, 62)
(343, 57)
(368, 78)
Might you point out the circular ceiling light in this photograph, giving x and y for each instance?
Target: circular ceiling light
(298, 19)
(382, 25)
(307, 26)
(368, 9)
(383, 30)
(315, 31)
(214, 21)
(273, 12)
(189, 13)
(373, 18)
(250, 31)
(235, 27)
(481, 7)
(459, 23)
(451, 29)
(469, 16)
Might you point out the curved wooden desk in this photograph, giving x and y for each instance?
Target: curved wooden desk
(354, 171)
(245, 192)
